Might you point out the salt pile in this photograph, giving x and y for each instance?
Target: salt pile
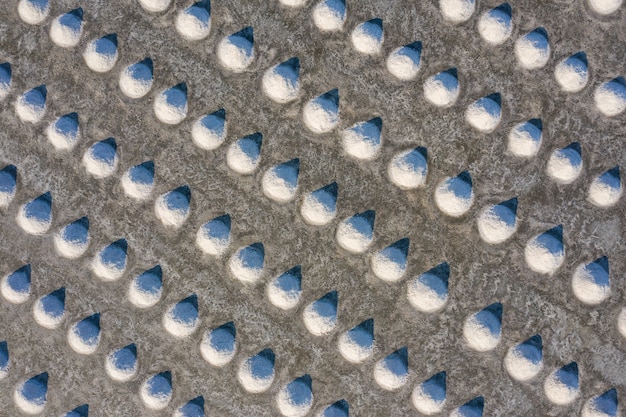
(485, 113)
(525, 138)
(404, 62)
(236, 51)
(442, 89)
(256, 374)
(31, 395)
(495, 25)
(320, 317)
(572, 73)
(8, 185)
(356, 233)
(209, 131)
(389, 264)
(610, 97)
(31, 105)
(454, 195)
(296, 398)
(192, 408)
(320, 206)
(281, 83)
(247, 263)
(172, 208)
(497, 223)
(606, 189)
(590, 282)
(363, 140)
(280, 182)
(604, 7)
(367, 37)
(49, 310)
(330, 15)
(121, 364)
(109, 263)
(16, 286)
(562, 385)
(285, 290)
(472, 408)
(243, 156)
(155, 6)
(408, 169)
(457, 11)
(392, 372)
(321, 114)
(181, 319)
(170, 105)
(428, 292)
(80, 411)
(66, 29)
(194, 22)
(138, 181)
(4, 359)
(72, 240)
(482, 330)
(340, 408)
(33, 12)
(136, 79)
(35, 217)
(156, 391)
(84, 335)
(218, 346)
(213, 237)
(545, 252)
(64, 132)
(429, 397)
(532, 49)
(145, 289)
(101, 54)
(357, 344)
(524, 361)
(5, 79)
(565, 164)
(101, 159)
(604, 405)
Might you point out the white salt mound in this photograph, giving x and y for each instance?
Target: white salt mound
(28, 111)
(293, 3)
(239, 161)
(78, 345)
(365, 42)
(250, 382)
(69, 249)
(288, 407)
(233, 57)
(440, 94)
(423, 298)
(327, 18)
(210, 245)
(60, 140)
(190, 27)
(561, 169)
(140, 298)
(97, 167)
(315, 213)
(386, 379)
(492, 228)
(457, 11)
(478, 336)
(133, 87)
(32, 225)
(360, 146)
(169, 113)
(278, 88)
(44, 319)
(155, 6)
(604, 7)
(351, 239)
(215, 357)
(604, 195)
(520, 368)
(319, 325)
(153, 402)
(540, 259)
(117, 374)
(31, 12)
(99, 62)
(277, 188)
(137, 190)
(621, 322)
(176, 327)
(64, 36)
(170, 217)
(424, 403)
(532, 53)
(25, 405)
(572, 75)
(401, 65)
(319, 119)
(557, 392)
(282, 299)
(493, 28)
(352, 351)
(481, 118)
(585, 287)
(610, 98)
(449, 202)
(522, 143)
(11, 295)
(206, 138)
(386, 269)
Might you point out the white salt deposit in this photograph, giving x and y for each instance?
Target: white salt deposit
(176, 327)
(441, 89)
(604, 405)
(320, 114)
(532, 50)
(215, 357)
(154, 401)
(492, 228)
(69, 249)
(405, 174)
(524, 140)
(155, 6)
(561, 168)
(118, 374)
(277, 188)
(104, 271)
(98, 167)
(280, 88)
(208, 138)
(386, 379)
(360, 146)
(134, 86)
(450, 202)
(170, 216)
(140, 298)
(99, 61)
(66, 36)
(424, 298)
(482, 115)
(604, 195)
(32, 224)
(457, 11)
(403, 64)
(170, 113)
(328, 17)
(610, 98)
(33, 12)
(478, 336)
(293, 3)
(241, 268)
(541, 259)
(26, 405)
(557, 392)
(365, 38)
(61, 140)
(285, 300)
(495, 27)
(11, 294)
(604, 7)
(79, 345)
(291, 407)
(621, 322)
(319, 325)
(190, 27)
(520, 368)
(352, 351)
(211, 245)
(586, 288)
(234, 53)
(351, 239)
(571, 74)
(315, 213)
(136, 189)
(252, 383)
(31, 106)
(387, 269)
(241, 161)
(44, 319)
(424, 403)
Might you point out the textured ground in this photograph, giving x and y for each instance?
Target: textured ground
(480, 273)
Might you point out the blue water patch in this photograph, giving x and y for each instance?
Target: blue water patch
(76, 232)
(36, 97)
(552, 240)
(572, 153)
(461, 185)
(176, 96)
(397, 252)
(5, 75)
(261, 365)
(363, 223)
(35, 389)
(398, 362)
(369, 131)
(326, 306)
(506, 211)
(186, 310)
(72, 19)
(435, 387)
(606, 403)
(40, 209)
(142, 173)
(114, 255)
(253, 256)
(142, 71)
(327, 196)
(299, 391)
(223, 338)
(215, 122)
(104, 151)
(448, 78)
(19, 281)
(160, 385)
(491, 104)
(599, 271)
(125, 359)
(178, 199)
(88, 329)
(288, 172)
(201, 10)
(67, 125)
(218, 228)
(611, 178)
(151, 281)
(290, 281)
(538, 38)
(193, 408)
(106, 45)
(53, 304)
(373, 28)
(251, 145)
(8, 179)
(472, 408)
(337, 6)
(243, 40)
(289, 71)
(363, 334)
(531, 349)
(340, 408)
(80, 411)
(568, 375)
(617, 86)
(4, 356)
(491, 318)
